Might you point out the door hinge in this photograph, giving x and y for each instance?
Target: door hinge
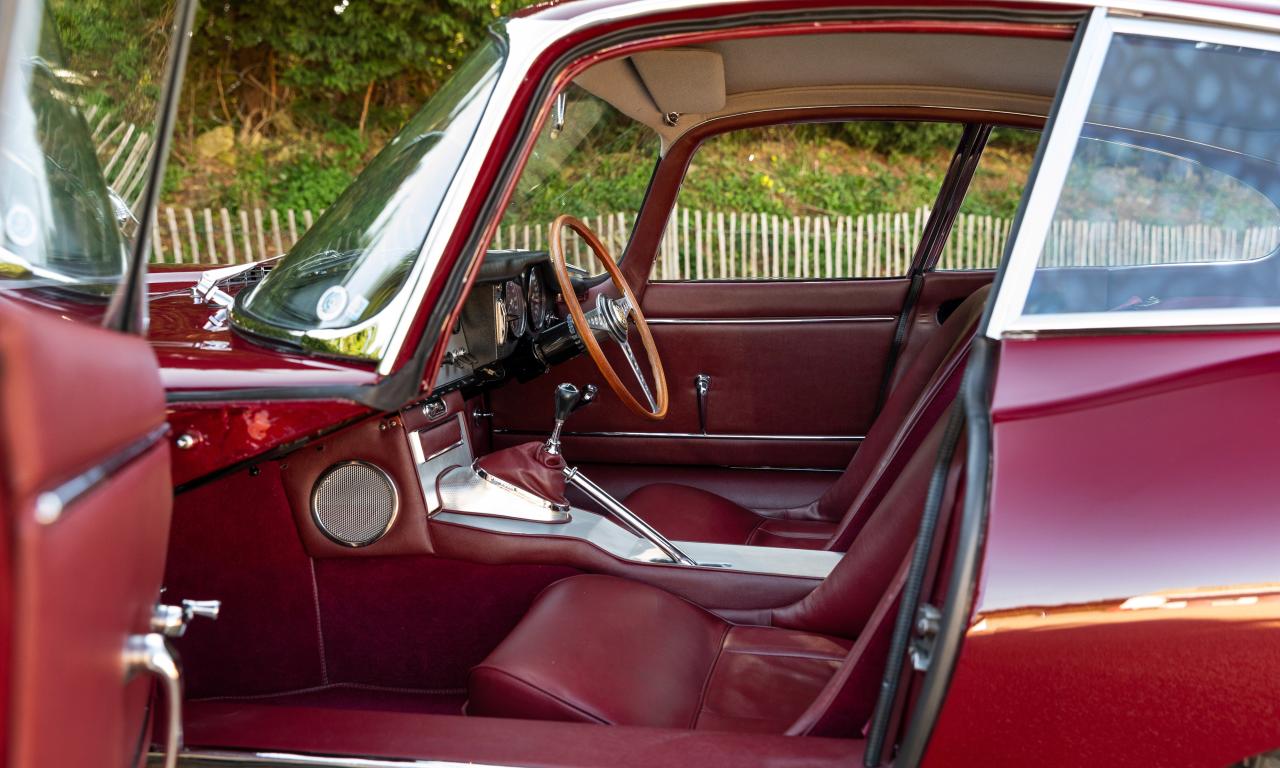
(928, 621)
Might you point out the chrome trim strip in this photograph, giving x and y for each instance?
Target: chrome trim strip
(209, 758)
(1007, 312)
(52, 503)
(1046, 187)
(767, 320)
(698, 436)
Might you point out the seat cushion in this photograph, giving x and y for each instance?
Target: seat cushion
(685, 513)
(652, 659)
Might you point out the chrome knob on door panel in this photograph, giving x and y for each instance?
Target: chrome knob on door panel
(172, 620)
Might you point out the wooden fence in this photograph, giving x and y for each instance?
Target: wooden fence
(727, 245)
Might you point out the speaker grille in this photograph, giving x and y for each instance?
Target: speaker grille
(354, 503)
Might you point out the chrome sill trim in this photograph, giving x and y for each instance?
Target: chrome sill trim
(51, 504)
(209, 758)
(697, 436)
(767, 320)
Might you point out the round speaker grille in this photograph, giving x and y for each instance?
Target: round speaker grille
(354, 503)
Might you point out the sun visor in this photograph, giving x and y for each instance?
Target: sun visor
(683, 80)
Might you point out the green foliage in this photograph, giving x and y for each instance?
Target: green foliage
(118, 48)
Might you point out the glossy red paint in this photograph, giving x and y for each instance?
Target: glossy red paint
(1127, 612)
(227, 434)
(194, 359)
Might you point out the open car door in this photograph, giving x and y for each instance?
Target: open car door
(85, 490)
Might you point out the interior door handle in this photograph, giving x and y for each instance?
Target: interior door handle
(151, 653)
(701, 386)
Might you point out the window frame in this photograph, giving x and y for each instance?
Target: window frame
(1044, 190)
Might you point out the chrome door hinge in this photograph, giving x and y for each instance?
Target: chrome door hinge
(928, 622)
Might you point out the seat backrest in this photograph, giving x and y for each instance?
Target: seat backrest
(926, 389)
(841, 604)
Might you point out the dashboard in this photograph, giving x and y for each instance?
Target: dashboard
(504, 324)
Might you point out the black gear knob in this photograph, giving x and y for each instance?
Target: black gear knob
(566, 398)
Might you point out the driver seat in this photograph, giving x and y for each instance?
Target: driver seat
(925, 390)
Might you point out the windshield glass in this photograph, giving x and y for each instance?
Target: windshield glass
(356, 258)
(59, 223)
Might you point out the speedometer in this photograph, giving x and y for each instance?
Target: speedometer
(537, 301)
(514, 308)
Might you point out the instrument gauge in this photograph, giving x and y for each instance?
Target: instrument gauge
(513, 307)
(537, 299)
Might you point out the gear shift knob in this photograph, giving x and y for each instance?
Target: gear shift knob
(566, 398)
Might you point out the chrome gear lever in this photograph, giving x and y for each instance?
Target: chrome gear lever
(568, 399)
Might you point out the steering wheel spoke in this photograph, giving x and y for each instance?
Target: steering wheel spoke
(635, 367)
(613, 319)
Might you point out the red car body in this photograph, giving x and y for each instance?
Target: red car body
(1110, 574)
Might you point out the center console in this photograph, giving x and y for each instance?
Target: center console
(521, 492)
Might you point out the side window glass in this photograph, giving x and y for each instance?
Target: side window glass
(981, 228)
(1171, 199)
(811, 201)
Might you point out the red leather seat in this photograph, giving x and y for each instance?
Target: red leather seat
(926, 388)
(600, 649)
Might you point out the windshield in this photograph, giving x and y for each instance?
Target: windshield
(350, 265)
(58, 226)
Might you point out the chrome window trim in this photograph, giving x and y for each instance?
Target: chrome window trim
(529, 37)
(1007, 316)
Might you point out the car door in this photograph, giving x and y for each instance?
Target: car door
(778, 331)
(85, 487)
(1118, 571)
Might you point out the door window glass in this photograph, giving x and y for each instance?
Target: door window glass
(1170, 200)
(812, 201)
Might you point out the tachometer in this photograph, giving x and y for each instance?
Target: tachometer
(514, 308)
(537, 301)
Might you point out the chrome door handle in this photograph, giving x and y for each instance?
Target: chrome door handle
(701, 386)
(151, 653)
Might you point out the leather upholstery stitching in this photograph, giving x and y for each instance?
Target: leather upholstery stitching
(315, 595)
(706, 683)
(538, 689)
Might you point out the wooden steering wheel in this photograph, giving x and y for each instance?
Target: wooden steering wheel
(610, 318)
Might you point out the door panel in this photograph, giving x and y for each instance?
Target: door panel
(80, 405)
(795, 370)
